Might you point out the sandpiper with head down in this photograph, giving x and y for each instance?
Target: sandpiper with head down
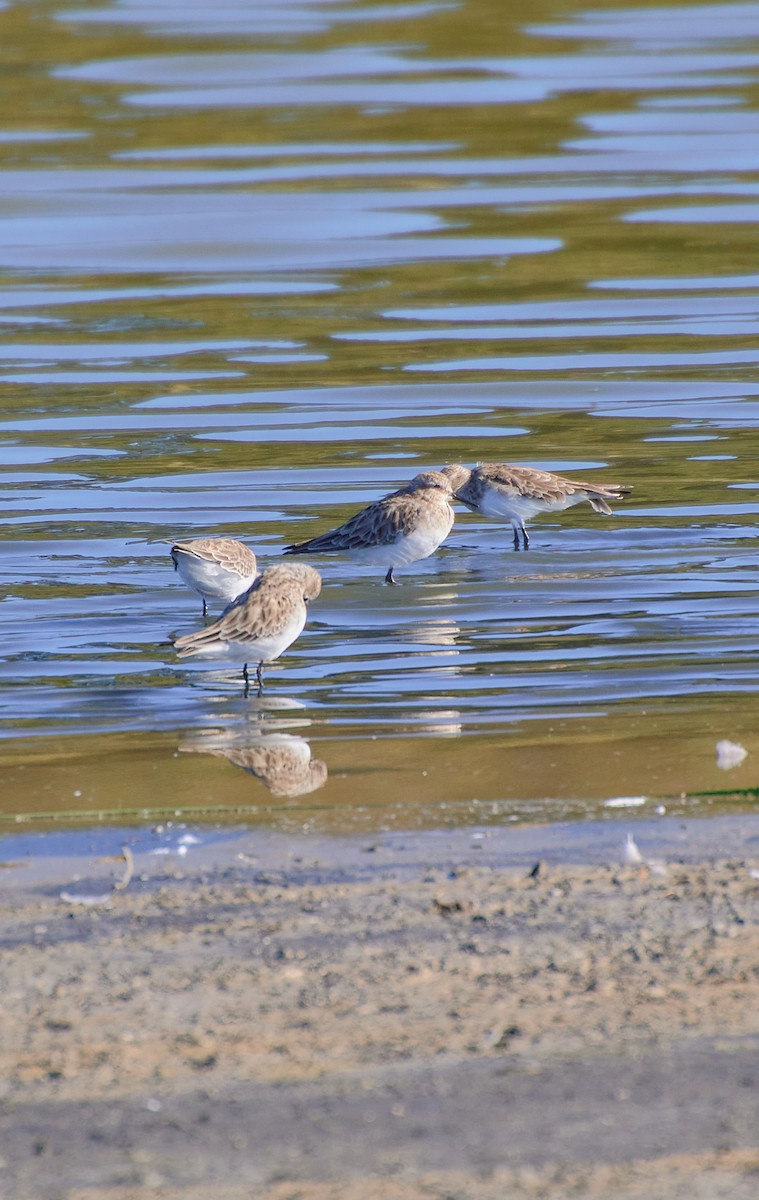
(259, 625)
(400, 528)
(217, 568)
(517, 494)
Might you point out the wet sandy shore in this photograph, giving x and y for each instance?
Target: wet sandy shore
(406, 1017)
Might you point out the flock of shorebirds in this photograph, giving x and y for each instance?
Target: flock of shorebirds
(265, 613)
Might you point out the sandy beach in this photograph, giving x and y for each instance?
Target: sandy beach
(468, 1015)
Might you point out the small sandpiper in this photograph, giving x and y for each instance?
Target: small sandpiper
(259, 625)
(517, 494)
(400, 528)
(217, 568)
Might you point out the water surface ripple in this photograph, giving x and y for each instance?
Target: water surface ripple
(259, 266)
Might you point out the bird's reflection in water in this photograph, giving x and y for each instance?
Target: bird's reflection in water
(443, 632)
(441, 722)
(282, 761)
(439, 633)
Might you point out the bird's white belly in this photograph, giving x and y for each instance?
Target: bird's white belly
(211, 579)
(424, 541)
(420, 543)
(522, 508)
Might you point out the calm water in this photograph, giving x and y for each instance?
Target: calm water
(259, 265)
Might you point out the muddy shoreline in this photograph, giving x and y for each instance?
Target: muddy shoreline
(404, 1016)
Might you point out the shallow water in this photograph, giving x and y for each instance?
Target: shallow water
(259, 267)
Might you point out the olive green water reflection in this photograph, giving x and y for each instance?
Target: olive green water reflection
(259, 267)
(540, 772)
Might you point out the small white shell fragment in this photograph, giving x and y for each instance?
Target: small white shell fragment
(633, 856)
(625, 802)
(729, 754)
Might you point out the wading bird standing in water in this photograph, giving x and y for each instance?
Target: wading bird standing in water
(517, 494)
(259, 625)
(400, 528)
(217, 568)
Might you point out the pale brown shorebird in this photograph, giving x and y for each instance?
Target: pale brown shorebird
(259, 625)
(517, 494)
(217, 568)
(400, 528)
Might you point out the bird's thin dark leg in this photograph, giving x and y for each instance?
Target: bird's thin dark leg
(525, 539)
(246, 690)
(205, 607)
(260, 678)
(389, 577)
(516, 537)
